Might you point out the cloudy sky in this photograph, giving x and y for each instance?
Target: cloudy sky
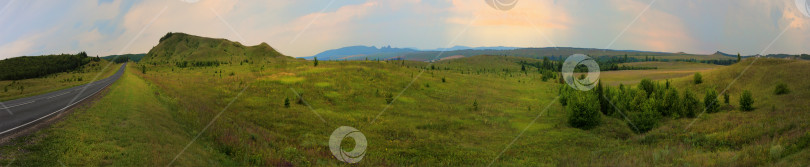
(306, 27)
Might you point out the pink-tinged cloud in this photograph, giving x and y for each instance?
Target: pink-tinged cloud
(654, 30)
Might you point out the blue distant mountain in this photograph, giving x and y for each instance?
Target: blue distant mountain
(362, 51)
(345, 52)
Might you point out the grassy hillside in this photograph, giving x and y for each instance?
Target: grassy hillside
(177, 47)
(447, 117)
(12, 89)
(132, 125)
(664, 71)
(776, 132)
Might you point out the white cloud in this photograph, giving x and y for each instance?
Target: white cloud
(46, 27)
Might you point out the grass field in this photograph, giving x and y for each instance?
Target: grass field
(665, 70)
(131, 126)
(435, 121)
(11, 89)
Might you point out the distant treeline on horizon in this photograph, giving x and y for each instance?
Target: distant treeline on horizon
(38, 66)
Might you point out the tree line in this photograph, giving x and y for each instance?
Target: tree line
(37, 66)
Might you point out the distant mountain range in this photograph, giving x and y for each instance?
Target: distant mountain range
(391, 53)
(344, 52)
(353, 52)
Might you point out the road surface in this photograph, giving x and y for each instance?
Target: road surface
(21, 113)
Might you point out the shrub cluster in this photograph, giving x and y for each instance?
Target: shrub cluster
(644, 105)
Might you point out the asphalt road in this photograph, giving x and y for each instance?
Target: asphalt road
(21, 113)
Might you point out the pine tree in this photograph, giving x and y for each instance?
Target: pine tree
(690, 104)
(710, 101)
(746, 101)
(287, 102)
(316, 61)
(739, 58)
(671, 103)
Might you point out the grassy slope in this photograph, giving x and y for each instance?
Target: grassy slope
(779, 122)
(427, 125)
(53, 82)
(435, 125)
(131, 126)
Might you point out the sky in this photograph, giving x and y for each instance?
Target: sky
(306, 27)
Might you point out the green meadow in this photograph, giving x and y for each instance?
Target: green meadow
(472, 111)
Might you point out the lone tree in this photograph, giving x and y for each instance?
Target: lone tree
(287, 102)
(739, 58)
(584, 111)
(698, 78)
(316, 61)
(710, 101)
(746, 101)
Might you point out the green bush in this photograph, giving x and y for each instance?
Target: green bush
(584, 111)
(646, 119)
(698, 78)
(647, 85)
(746, 101)
(690, 104)
(671, 103)
(710, 101)
(781, 89)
